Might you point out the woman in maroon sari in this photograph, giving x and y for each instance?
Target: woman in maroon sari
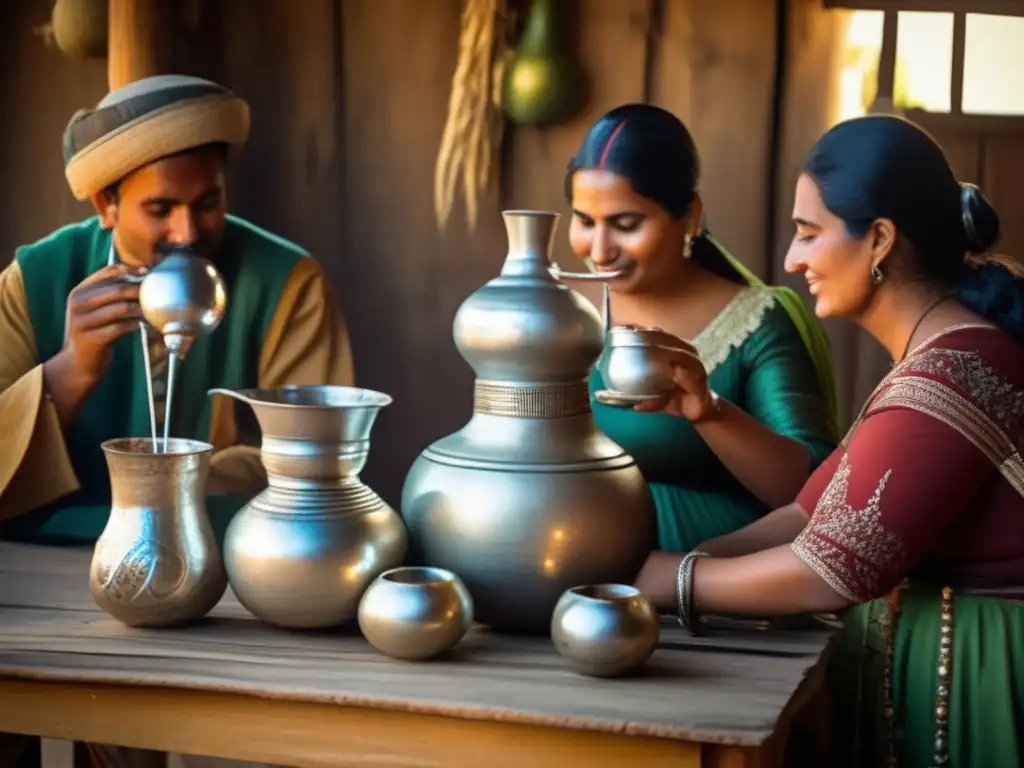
(914, 528)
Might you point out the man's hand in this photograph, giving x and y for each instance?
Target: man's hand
(101, 309)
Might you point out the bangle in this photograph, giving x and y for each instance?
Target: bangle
(684, 589)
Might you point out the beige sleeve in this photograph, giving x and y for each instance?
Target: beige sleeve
(307, 343)
(35, 467)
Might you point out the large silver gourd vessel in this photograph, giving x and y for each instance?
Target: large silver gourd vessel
(529, 498)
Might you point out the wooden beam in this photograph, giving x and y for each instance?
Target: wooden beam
(307, 735)
(997, 7)
(956, 80)
(140, 40)
(887, 59)
(974, 125)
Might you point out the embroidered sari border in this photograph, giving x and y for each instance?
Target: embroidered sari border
(939, 401)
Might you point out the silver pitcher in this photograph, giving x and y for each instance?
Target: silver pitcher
(303, 551)
(157, 564)
(529, 498)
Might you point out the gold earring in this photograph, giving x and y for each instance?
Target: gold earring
(687, 246)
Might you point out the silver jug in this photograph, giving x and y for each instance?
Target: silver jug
(157, 564)
(303, 551)
(529, 498)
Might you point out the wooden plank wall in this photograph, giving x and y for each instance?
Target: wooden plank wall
(39, 91)
(399, 280)
(1002, 180)
(349, 99)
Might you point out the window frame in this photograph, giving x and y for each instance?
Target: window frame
(955, 118)
(996, 7)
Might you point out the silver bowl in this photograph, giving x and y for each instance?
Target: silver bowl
(605, 630)
(638, 361)
(415, 612)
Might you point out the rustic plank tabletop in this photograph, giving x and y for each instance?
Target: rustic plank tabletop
(731, 686)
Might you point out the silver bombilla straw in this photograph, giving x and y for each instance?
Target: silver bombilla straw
(172, 369)
(605, 310)
(149, 387)
(111, 259)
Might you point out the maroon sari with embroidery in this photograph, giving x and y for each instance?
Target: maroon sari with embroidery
(926, 493)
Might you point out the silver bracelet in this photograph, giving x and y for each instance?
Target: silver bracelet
(684, 589)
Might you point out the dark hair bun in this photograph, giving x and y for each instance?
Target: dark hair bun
(980, 220)
(991, 290)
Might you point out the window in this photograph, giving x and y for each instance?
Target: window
(922, 76)
(858, 74)
(993, 65)
(924, 61)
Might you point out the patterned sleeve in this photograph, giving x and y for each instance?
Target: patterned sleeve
(904, 478)
(818, 481)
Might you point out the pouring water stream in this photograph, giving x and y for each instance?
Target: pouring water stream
(111, 260)
(182, 298)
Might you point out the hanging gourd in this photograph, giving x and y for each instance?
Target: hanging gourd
(544, 84)
(79, 27)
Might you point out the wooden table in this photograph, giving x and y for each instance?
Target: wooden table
(233, 687)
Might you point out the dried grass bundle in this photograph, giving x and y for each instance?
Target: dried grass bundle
(472, 133)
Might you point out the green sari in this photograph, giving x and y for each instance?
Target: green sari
(767, 354)
(808, 326)
(894, 644)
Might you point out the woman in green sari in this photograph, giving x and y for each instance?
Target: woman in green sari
(914, 527)
(713, 464)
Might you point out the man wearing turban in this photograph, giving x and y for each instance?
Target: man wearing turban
(152, 157)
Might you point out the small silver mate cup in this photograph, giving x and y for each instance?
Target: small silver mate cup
(415, 613)
(605, 630)
(637, 362)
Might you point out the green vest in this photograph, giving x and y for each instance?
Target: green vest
(255, 265)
